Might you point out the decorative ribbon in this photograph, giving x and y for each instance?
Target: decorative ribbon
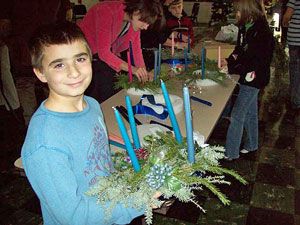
(175, 62)
(142, 109)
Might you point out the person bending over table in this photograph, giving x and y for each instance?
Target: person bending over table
(251, 60)
(108, 27)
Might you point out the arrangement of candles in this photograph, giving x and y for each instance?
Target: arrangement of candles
(219, 57)
(203, 62)
(157, 63)
(129, 67)
(131, 53)
(185, 59)
(188, 119)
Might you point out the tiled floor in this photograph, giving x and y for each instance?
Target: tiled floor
(272, 196)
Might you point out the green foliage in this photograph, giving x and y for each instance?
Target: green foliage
(151, 86)
(212, 72)
(130, 188)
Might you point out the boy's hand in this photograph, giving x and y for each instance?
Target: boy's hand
(156, 195)
(141, 73)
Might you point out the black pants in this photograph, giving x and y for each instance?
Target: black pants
(103, 80)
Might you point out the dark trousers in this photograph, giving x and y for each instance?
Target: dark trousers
(103, 80)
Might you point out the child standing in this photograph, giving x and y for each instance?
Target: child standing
(180, 24)
(251, 60)
(66, 146)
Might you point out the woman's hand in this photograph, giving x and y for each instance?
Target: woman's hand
(141, 73)
(224, 65)
(150, 76)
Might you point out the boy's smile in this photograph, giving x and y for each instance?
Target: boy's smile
(66, 69)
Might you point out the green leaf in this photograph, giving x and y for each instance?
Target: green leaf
(172, 183)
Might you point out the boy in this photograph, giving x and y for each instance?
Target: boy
(66, 147)
(180, 23)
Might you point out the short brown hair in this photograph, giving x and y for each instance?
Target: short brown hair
(251, 10)
(150, 10)
(53, 34)
(175, 2)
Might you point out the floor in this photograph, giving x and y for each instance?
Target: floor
(272, 196)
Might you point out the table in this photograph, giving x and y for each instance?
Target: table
(204, 117)
(212, 48)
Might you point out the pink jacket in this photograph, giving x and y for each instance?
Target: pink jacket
(101, 26)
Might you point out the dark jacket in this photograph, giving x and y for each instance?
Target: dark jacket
(252, 55)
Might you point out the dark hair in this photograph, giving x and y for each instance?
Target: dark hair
(53, 34)
(150, 10)
(251, 10)
(175, 2)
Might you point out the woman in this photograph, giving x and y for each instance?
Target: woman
(251, 60)
(108, 27)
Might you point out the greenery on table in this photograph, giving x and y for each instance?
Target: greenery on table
(178, 54)
(164, 169)
(212, 72)
(151, 86)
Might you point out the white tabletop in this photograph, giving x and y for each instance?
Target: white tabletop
(204, 117)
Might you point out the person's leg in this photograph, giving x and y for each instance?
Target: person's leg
(9, 88)
(294, 66)
(102, 84)
(238, 115)
(251, 123)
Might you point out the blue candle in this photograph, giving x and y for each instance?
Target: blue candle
(131, 53)
(134, 133)
(189, 125)
(130, 151)
(189, 44)
(159, 58)
(185, 59)
(155, 66)
(202, 64)
(171, 112)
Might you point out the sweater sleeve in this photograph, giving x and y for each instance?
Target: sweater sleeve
(52, 178)
(104, 23)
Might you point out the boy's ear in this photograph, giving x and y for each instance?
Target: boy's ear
(40, 75)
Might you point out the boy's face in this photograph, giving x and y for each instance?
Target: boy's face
(176, 10)
(137, 24)
(67, 69)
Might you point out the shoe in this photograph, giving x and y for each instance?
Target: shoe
(244, 151)
(228, 158)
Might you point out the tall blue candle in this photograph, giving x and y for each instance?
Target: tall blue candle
(189, 125)
(155, 66)
(131, 53)
(159, 58)
(189, 44)
(130, 151)
(203, 64)
(171, 112)
(134, 132)
(185, 59)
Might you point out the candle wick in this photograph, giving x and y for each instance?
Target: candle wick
(114, 108)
